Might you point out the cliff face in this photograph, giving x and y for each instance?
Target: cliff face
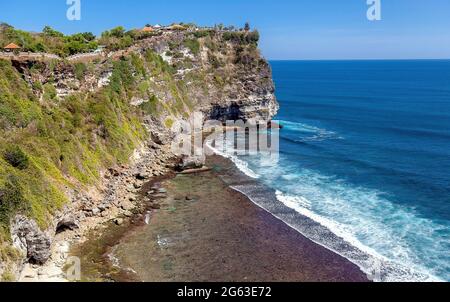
(66, 127)
(225, 77)
(219, 73)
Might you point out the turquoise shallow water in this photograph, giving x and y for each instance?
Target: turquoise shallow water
(365, 152)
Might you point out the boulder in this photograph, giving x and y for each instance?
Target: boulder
(126, 206)
(127, 214)
(118, 221)
(142, 176)
(191, 162)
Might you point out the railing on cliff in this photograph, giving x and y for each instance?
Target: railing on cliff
(29, 56)
(39, 56)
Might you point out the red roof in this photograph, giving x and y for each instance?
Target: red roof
(12, 46)
(147, 29)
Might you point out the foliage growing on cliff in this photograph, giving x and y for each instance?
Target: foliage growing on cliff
(118, 38)
(16, 157)
(193, 45)
(242, 37)
(63, 143)
(51, 146)
(49, 41)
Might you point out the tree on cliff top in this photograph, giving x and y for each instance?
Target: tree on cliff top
(50, 32)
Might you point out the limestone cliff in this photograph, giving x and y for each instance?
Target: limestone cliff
(70, 128)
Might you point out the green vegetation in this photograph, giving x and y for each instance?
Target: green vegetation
(55, 144)
(203, 33)
(169, 123)
(193, 45)
(49, 41)
(242, 37)
(16, 157)
(55, 42)
(46, 148)
(150, 107)
(7, 277)
(118, 38)
(80, 70)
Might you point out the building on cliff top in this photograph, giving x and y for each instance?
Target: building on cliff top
(11, 47)
(147, 29)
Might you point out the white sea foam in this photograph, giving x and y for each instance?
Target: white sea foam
(390, 271)
(401, 267)
(375, 227)
(310, 133)
(240, 164)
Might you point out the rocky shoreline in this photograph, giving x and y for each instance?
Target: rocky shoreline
(140, 201)
(203, 230)
(118, 202)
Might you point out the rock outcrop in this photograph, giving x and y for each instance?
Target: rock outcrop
(29, 239)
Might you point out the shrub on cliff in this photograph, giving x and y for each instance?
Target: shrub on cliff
(80, 70)
(193, 45)
(16, 157)
(242, 37)
(253, 37)
(202, 33)
(11, 199)
(150, 107)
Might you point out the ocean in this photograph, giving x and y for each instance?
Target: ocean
(365, 155)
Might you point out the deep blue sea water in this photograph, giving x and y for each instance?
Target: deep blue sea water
(365, 151)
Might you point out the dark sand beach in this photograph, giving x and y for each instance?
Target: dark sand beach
(206, 231)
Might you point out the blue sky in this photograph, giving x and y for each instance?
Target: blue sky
(290, 29)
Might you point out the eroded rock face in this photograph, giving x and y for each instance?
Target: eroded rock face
(68, 222)
(28, 238)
